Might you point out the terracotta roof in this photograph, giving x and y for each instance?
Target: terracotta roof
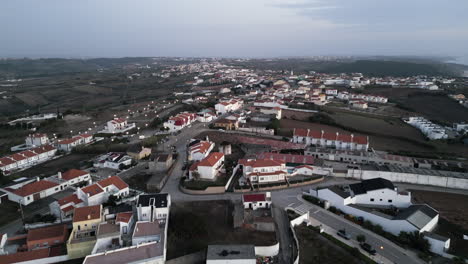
(43, 149)
(6, 161)
(46, 232)
(124, 217)
(343, 137)
(92, 189)
(201, 147)
(87, 213)
(211, 159)
(25, 256)
(17, 157)
(114, 180)
(32, 188)
(68, 208)
(72, 174)
(69, 199)
(258, 197)
(28, 153)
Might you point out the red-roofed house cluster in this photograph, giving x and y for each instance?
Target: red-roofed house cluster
(180, 121)
(329, 139)
(32, 190)
(27, 158)
(94, 194)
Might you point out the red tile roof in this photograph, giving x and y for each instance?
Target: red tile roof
(6, 161)
(201, 147)
(92, 189)
(69, 199)
(25, 256)
(261, 163)
(87, 213)
(72, 174)
(343, 137)
(258, 197)
(32, 188)
(211, 159)
(124, 217)
(114, 180)
(46, 232)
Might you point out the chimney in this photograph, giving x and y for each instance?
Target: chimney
(59, 175)
(89, 216)
(321, 135)
(352, 137)
(38, 179)
(337, 134)
(308, 130)
(88, 194)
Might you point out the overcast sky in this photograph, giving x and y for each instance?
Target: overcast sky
(260, 28)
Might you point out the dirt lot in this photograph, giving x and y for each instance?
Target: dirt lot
(72, 161)
(195, 225)
(453, 222)
(314, 248)
(453, 207)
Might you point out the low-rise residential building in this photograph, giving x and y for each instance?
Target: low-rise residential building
(70, 143)
(208, 168)
(429, 129)
(45, 237)
(148, 253)
(227, 124)
(199, 149)
(228, 106)
(83, 235)
(99, 192)
(378, 201)
(36, 140)
(330, 140)
(27, 158)
(152, 207)
(257, 200)
(118, 126)
(31, 191)
(180, 121)
(113, 160)
(160, 162)
(138, 152)
(263, 170)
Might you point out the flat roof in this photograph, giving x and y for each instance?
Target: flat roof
(223, 252)
(125, 255)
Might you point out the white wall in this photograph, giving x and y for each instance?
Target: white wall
(448, 182)
(437, 246)
(383, 197)
(267, 251)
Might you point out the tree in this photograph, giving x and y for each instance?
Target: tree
(361, 238)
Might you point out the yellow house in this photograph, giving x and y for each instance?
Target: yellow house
(83, 236)
(138, 152)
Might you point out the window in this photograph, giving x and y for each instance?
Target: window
(29, 198)
(371, 199)
(389, 200)
(380, 199)
(56, 189)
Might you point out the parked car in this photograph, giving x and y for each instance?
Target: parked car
(342, 233)
(368, 248)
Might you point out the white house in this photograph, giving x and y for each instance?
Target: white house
(118, 125)
(37, 139)
(199, 150)
(228, 106)
(113, 160)
(180, 121)
(256, 200)
(30, 191)
(330, 140)
(99, 192)
(151, 207)
(431, 130)
(209, 167)
(70, 143)
(263, 170)
(27, 158)
(378, 201)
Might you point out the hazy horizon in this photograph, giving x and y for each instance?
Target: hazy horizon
(215, 28)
